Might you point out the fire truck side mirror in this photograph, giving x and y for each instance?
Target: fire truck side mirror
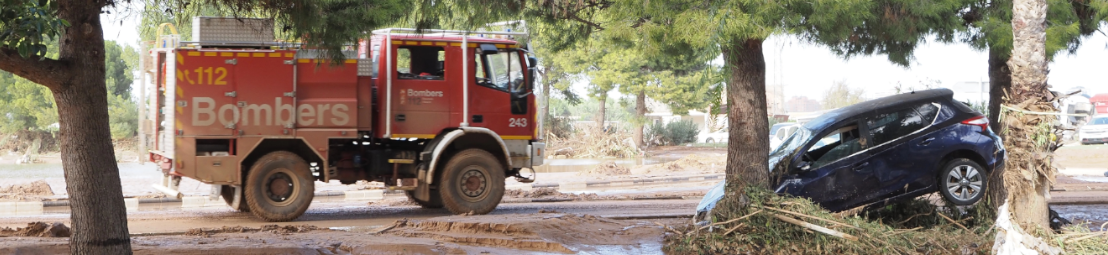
(531, 63)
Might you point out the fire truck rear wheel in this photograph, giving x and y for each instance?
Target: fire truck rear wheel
(434, 203)
(472, 182)
(279, 187)
(228, 194)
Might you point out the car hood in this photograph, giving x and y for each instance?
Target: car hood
(1088, 128)
(717, 192)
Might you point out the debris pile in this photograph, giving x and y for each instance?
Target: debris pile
(38, 229)
(593, 143)
(763, 222)
(37, 188)
(606, 169)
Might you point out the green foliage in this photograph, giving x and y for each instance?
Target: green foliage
(27, 26)
(122, 116)
(119, 64)
(990, 24)
(840, 95)
(673, 133)
(27, 106)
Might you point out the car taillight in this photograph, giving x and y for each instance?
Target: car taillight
(979, 121)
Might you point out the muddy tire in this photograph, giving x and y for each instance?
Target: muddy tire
(710, 140)
(279, 187)
(434, 203)
(228, 194)
(962, 181)
(471, 182)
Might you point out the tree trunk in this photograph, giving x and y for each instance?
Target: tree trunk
(748, 125)
(600, 113)
(1000, 80)
(97, 210)
(1029, 173)
(640, 112)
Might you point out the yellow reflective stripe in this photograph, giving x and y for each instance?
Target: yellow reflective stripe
(258, 55)
(288, 55)
(441, 44)
(226, 54)
(275, 55)
(515, 137)
(397, 42)
(303, 61)
(351, 61)
(180, 60)
(243, 55)
(501, 46)
(423, 136)
(193, 53)
(426, 43)
(411, 42)
(209, 54)
(471, 45)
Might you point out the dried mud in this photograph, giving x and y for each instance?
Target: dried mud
(23, 191)
(38, 229)
(690, 163)
(606, 169)
(276, 229)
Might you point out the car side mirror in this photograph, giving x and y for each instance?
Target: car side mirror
(805, 165)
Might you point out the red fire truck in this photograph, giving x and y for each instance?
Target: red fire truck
(443, 115)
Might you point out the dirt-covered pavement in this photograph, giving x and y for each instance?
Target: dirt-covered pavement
(611, 227)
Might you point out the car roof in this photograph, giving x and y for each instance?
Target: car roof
(873, 106)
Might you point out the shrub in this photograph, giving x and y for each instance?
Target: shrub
(673, 133)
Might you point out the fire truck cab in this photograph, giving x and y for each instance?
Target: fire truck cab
(443, 115)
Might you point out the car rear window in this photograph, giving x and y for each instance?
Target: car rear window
(890, 126)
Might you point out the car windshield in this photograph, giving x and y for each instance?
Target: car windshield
(798, 139)
(773, 130)
(1099, 121)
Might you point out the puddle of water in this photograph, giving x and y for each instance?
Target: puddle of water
(1091, 178)
(584, 164)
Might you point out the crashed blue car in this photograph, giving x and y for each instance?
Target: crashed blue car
(883, 151)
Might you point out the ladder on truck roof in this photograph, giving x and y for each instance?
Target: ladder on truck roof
(389, 32)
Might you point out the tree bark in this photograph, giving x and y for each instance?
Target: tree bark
(1029, 172)
(640, 112)
(76, 78)
(1000, 80)
(600, 113)
(748, 125)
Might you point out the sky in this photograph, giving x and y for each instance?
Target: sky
(806, 69)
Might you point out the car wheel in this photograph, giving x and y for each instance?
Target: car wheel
(434, 203)
(710, 140)
(472, 182)
(279, 187)
(963, 182)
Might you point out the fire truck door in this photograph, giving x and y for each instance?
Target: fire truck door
(265, 93)
(204, 90)
(498, 77)
(421, 96)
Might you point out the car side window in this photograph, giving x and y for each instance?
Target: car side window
(835, 146)
(890, 126)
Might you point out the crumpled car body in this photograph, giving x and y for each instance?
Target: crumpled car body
(883, 151)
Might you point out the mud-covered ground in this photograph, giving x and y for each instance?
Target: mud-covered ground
(556, 222)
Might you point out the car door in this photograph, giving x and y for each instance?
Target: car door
(895, 163)
(834, 175)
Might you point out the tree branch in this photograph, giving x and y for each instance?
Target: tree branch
(47, 72)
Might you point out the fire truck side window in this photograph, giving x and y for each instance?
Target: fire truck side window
(424, 63)
(504, 71)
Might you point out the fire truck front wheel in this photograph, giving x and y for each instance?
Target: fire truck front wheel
(472, 182)
(279, 186)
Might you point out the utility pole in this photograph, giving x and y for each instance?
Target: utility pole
(142, 102)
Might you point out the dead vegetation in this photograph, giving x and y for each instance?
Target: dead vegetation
(593, 143)
(1079, 239)
(762, 222)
